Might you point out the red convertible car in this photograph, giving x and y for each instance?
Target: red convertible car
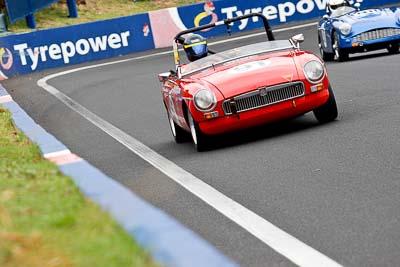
(244, 87)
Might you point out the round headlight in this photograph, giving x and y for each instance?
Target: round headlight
(204, 100)
(314, 71)
(345, 28)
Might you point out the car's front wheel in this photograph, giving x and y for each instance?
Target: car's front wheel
(393, 48)
(325, 55)
(178, 133)
(328, 111)
(198, 137)
(340, 54)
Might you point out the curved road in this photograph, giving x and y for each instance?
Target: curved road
(335, 187)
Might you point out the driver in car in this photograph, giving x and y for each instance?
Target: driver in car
(335, 4)
(195, 47)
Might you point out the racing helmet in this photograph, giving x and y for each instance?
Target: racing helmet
(195, 47)
(334, 4)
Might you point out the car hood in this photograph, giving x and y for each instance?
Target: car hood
(250, 75)
(369, 19)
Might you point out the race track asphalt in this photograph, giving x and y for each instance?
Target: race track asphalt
(333, 186)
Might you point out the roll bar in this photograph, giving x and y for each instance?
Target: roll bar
(178, 39)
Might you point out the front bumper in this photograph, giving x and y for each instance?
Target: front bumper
(279, 111)
(368, 42)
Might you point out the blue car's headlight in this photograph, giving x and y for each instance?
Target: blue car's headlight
(345, 28)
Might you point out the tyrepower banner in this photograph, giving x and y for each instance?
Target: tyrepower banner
(43, 49)
(276, 11)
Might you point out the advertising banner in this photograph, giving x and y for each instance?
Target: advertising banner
(277, 12)
(43, 49)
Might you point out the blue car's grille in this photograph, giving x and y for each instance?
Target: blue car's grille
(376, 34)
(263, 97)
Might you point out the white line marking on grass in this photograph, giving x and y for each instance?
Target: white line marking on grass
(282, 242)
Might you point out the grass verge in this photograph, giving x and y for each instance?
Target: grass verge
(46, 221)
(57, 14)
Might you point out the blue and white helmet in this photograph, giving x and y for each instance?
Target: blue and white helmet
(334, 4)
(195, 47)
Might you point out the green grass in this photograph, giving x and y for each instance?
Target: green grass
(46, 221)
(57, 14)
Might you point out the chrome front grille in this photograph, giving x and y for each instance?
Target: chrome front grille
(376, 34)
(262, 97)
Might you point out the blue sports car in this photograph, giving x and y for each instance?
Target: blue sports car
(346, 29)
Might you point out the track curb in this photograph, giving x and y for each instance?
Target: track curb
(169, 242)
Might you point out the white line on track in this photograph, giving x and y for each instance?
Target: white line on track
(282, 242)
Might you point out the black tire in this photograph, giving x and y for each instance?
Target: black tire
(393, 48)
(327, 112)
(178, 133)
(325, 55)
(340, 54)
(198, 137)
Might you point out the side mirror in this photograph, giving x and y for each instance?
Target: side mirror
(325, 17)
(296, 40)
(172, 73)
(357, 6)
(162, 77)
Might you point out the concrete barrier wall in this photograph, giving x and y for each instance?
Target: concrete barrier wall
(44, 49)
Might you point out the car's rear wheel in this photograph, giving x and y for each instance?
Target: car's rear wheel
(328, 111)
(325, 55)
(340, 54)
(178, 133)
(198, 137)
(393, 48)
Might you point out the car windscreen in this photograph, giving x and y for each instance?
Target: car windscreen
(343, 10)
(234, 54)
